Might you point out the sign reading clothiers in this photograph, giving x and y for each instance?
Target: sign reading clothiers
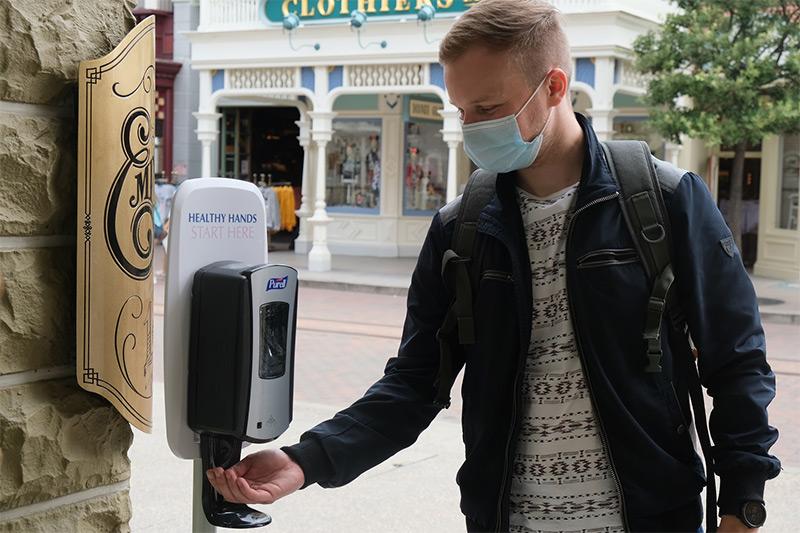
(323, 10)
(115, 211)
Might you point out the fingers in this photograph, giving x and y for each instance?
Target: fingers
(233, 486)
(242, 467)
(217, 478)
(262, 495)
(236, 489)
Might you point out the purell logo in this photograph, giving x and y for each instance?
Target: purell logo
(277, 283)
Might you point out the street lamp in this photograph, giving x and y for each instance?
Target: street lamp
(357, 21)
(425, 15)
(290, 24)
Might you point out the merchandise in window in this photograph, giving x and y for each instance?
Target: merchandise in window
(353, 174)
(790, 183)
(425, 168)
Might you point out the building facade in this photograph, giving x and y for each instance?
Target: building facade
(166, 71)
(351, 110)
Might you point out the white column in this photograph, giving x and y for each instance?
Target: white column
(319, 258)
(301, 243)
(602, 111)
(207, 122)
(207, 133)
(672, 152)
(451, 134)
(602, 123)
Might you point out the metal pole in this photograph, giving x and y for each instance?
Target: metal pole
(199, 522)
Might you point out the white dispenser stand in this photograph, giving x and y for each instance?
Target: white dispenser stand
(213, 219)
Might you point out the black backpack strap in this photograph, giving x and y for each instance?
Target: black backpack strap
(642, 206)
(640, 178)
(456, 264)
(699, 409)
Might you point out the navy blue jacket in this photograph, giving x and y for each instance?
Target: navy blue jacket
(643, 417)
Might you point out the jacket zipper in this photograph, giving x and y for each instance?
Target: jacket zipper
(603, 437)
(499, 521)
(497, 275)
(516, 389)
(602, 258)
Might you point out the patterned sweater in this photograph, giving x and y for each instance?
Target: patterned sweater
(561, 480)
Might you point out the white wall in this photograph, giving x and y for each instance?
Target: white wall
(186, 149)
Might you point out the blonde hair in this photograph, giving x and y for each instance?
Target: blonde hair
(530, 29)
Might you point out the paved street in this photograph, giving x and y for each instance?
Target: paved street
(337, 360)
(343, 343)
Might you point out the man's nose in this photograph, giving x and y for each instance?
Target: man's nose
(467, 119)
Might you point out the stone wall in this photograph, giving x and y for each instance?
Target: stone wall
(63, 451)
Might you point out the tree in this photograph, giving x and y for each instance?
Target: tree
(737, 62)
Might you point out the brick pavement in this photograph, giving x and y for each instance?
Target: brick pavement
(342, 347)
(335, 368)
(783, 340)
(784, 414)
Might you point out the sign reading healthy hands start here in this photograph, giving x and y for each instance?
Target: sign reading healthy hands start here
(327, 10)
(220, 226)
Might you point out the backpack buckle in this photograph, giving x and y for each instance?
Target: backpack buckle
(654, 354)
(656, 304)
(649, 236)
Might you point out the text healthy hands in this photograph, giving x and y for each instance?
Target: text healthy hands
(261, 477)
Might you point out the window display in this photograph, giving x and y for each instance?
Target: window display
(425, 168)
(354, 166)
(790, 183)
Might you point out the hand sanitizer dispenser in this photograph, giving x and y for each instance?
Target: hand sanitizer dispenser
(241, 369)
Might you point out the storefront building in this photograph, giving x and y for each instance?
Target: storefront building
(166, 71)
(352, 112)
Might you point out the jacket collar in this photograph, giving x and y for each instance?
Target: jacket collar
(596, 180)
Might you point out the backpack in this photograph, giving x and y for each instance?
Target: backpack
(633, 169)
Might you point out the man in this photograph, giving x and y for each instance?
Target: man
(563, 430)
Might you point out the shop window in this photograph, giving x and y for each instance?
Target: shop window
(424, 168)
(790, 182)
(353, 174)
(235, 147)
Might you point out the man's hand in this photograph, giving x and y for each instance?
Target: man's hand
(731, 524)
(261, 477)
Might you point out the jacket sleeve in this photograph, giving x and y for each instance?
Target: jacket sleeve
(396, 409)
(720, 304)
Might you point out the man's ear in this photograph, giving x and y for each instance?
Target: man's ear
(558, 86)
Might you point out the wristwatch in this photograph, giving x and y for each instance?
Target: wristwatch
(753, 514)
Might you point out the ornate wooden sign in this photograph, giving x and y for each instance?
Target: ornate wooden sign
(115, 211)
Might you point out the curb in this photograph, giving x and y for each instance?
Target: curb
(773, 317)
(354, 287)
(780, 317)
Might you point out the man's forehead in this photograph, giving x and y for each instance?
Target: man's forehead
(481, 76)
(479, 90)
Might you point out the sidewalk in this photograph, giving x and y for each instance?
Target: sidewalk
(385, 275)
(779, 301)
(414, 491)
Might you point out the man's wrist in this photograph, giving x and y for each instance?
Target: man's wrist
(732, 524)
(735, 490)
(312, 459)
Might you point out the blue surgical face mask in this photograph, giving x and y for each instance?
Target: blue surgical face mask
(497, 145)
